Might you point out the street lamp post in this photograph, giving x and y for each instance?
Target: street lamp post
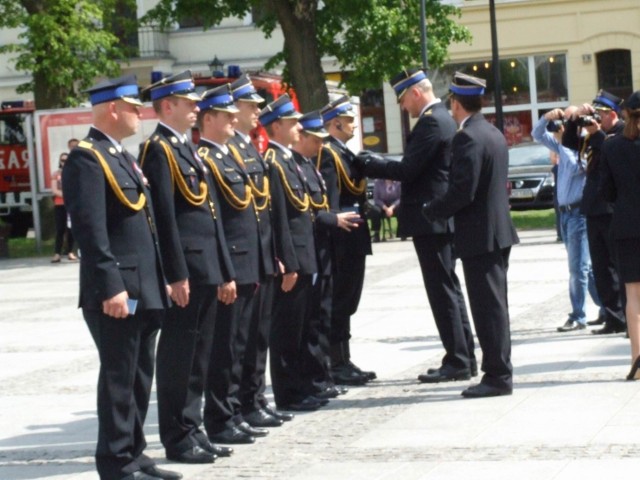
(497, 84)
(423, 33)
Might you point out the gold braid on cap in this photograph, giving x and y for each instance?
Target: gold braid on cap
(176, 174)
(257, 193)
(301, 205)
(233, 200)
(113, 183)
(343, 177)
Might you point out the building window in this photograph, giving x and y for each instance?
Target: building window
(614, 72)
(529, 84)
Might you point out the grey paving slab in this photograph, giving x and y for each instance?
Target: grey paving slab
(571, 416)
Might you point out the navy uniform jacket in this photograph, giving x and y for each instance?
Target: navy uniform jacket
(620, 178)
(258, 171)
(119, 248)
(341, 197)
(423, 171)
(325, 221)
(238, 212)
(191, 240)
(290, 185)
(592, 204)
(477, 196)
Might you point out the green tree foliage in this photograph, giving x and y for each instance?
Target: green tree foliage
(65, 44)
(371, 39)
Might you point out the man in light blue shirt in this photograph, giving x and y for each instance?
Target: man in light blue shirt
(570, 183)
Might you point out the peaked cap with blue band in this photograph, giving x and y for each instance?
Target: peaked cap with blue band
(219, 98)
(340, 107)
(313, 124)
(405, 79)
(178, 85)
(467, 85)
(121, 88)
(244, 91)
(283, 108)
(607, 101)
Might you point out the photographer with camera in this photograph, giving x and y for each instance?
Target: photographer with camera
(599, 120)
(571, 179)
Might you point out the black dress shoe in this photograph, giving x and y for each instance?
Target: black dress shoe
(233, 436)
(341, 389)
(482, 390)
(473, 368)
(284, 416)
(140, 475)
(217, 450)
(369, 375)
(597, 321)
(445, 374)
(260, 418)
(154, 471)
(195, 454)
(249, 430)
(608, 329)
(327, 393)
(308, 404)
(344, 375)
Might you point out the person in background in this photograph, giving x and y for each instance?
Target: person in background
(60, 214)
(386, 199)
(620, 171)
(554, 171)
(571, 180)
(599, 121)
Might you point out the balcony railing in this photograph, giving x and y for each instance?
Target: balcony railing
(152, 41)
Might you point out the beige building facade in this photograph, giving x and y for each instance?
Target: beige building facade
(553, 53)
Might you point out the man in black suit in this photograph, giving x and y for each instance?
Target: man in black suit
(122, 287)
(424, 173)
(478, 201)
(196, 261)
(238, 208)
(346, 190)
(255, 407)
(595, 208)
(280, 120)
(315, 364)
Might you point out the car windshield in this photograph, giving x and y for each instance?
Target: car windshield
(529, 155)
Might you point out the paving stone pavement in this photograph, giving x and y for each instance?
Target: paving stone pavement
(571, 414)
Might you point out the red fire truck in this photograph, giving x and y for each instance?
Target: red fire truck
(15, 194)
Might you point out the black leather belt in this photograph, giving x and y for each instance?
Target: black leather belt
(568, 208)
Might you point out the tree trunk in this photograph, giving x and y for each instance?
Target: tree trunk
(297, 20)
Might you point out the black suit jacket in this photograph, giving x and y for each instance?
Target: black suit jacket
(477, 195)
(191, 236)
(240, 223)
(357, 241)
(620, 178)
(119, 248)
(593, 203)
(258, 171)
(325, 221)
(423, 171)
(289, 185)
